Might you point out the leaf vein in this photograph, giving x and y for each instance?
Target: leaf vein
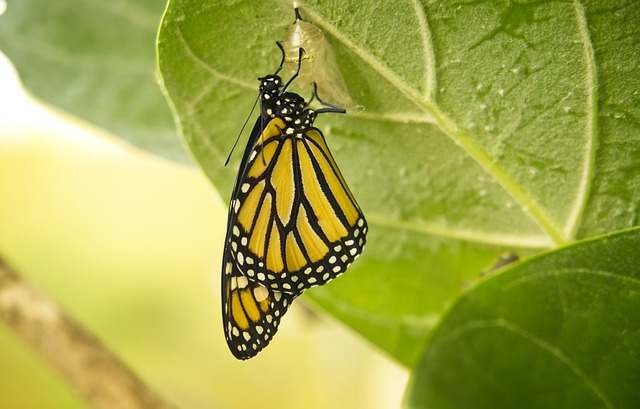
(556, 352)
(451, 129)
(429, 57)
(539, 342)
(207, 67)
(496, 239)
(591, 130)
(556, 273)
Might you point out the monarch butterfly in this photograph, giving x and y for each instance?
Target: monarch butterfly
(293, 222)
(318, 64)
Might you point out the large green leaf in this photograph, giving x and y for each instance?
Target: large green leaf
(489, 127)
(96, 60)
(559, 331)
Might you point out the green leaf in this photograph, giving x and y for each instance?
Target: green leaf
(559, 331)
(489, 127)
(95, 60)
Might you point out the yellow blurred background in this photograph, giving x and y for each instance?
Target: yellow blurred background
(130, 245)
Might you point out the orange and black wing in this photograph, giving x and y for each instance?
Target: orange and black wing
(250, 312)
(293, 222)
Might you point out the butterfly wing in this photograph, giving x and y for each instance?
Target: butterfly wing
(293, 224)
(250, 312)
(296, 224)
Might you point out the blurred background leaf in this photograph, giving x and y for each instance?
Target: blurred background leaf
(559, 331)
(95, 60)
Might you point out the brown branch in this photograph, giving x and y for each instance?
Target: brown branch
(95, 373)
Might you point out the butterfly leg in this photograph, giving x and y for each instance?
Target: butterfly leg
(329, 107)
(295, 75)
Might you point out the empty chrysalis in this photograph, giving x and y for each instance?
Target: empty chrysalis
(318, 62)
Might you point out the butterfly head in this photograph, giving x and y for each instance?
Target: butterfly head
(269, 86)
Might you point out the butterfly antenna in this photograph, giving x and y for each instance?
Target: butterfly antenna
(242, 129)
(283, 57)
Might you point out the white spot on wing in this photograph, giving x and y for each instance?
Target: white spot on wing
(242, 282)
(260, 293)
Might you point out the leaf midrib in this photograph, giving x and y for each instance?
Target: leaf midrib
(528, 204)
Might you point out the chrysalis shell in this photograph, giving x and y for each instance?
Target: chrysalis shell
(318, 62)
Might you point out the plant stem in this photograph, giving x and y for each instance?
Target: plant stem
(102, 379)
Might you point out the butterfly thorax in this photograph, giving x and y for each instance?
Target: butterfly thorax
(297, 119)
(291, 108)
